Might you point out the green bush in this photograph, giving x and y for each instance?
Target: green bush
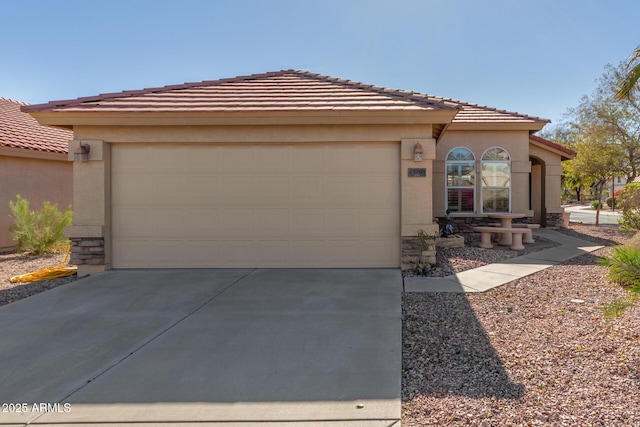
(624, 266)
(629, 202)
(39, 232)
(609, 202)
(595, 204)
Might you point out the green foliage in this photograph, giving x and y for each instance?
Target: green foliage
(624, 267)
(39, 232)
(613, 309)
(609, 201)
(595, 204)
(629, 201)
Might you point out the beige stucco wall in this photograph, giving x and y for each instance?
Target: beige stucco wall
(553, 178)
(516, 142)
(36, 180)
(92, 180)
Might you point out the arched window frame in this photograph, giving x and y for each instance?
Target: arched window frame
(460, 197)
(492, 170)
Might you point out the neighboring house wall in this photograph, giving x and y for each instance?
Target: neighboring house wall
(36, 180)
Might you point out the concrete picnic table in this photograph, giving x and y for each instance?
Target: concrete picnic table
(505, 222)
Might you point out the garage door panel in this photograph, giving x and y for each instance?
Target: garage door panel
(131, 253)
(167, 190)
(272, 190)
(306, 190)
(167, 222)
(131, 188)
(307, 253)
(236, 189)
(202, 253)
(132, 157)
(201, 222)
(342, 157)
(237, 158)
(339, 190)
(306, 205)
(237, 222)
(308, 158)
(272, 221)
(168, 160)
(131, 222)
(200, 190)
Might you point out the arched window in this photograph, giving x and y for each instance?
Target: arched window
(496, 180)
(461, 180)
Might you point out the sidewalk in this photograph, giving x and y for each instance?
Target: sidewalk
(493, 275)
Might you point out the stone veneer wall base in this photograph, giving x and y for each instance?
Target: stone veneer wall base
(87, 251)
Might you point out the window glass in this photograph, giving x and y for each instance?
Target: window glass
(461, 180)
(496, 180)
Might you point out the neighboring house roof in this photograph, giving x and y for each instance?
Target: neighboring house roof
(286, 90)
(20, 130)
(567, 154)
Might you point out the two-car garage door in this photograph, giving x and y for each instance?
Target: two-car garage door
(255, 205)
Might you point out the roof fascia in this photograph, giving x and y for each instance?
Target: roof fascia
(562, 154)
(32, 154)
(530, 126)
(68, 119)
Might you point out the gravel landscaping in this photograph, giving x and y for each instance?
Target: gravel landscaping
(536, 351)
(14, 264)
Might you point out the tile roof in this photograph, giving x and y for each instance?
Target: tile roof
(286, 90)
(20, 130)
(570, 153)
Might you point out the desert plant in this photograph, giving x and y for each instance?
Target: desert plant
(595, 204)
(624, 266)
(39, 232)
(427, 239)
(613, 309)
(629, 201)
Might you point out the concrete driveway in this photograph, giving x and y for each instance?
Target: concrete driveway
(189, 346)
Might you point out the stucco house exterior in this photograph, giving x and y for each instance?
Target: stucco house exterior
(291, 169)
(33, 163)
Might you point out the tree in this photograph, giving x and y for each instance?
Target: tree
(616, 121)
(597, 159)
(631, 78)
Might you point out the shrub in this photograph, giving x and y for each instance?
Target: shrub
(624, 266)
(39, 232)
(609, 202)
(595, 204)
(629, 202)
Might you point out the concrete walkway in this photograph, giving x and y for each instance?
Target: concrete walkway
(193, 347)
(493, 275)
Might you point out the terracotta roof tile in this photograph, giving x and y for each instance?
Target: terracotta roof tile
(20, 130)
(284, 90)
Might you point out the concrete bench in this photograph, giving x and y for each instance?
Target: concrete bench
(516, 233)
(528, 237)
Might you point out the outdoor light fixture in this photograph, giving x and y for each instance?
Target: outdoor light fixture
(417, 152)
(82, 153)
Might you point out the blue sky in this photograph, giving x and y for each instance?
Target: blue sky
(536, 57)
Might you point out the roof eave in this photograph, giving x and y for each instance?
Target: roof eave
(68, 119)
(531, 126)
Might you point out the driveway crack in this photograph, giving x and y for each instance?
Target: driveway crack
(149, 341)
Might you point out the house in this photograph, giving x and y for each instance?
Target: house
(291, 169)
(33, 163)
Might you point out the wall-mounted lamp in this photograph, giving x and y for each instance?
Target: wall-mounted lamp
(417, 152)
(82, 153)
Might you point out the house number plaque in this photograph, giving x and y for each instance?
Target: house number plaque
(417, 172)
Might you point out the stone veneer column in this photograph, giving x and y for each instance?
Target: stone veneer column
(90, 248)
